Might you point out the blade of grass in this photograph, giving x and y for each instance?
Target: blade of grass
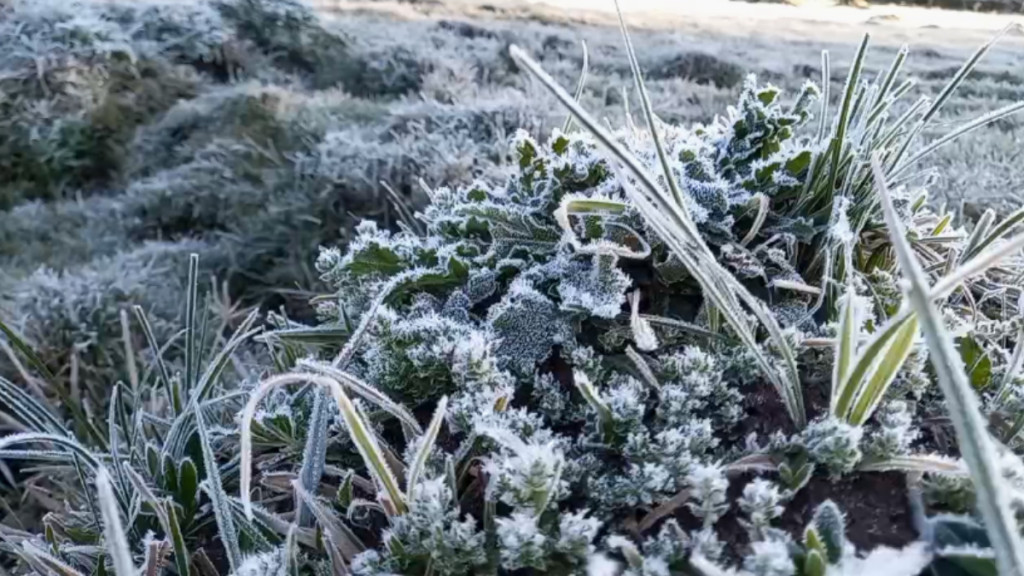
(314, 453)
(215, 490)
(154, 347)
(77, 414)
(580, 85)
(181, 557)
(956, 133)
(191, 304)
(826, 89)
(947, 91)
(366, 392)
(645, 105)
(70, 445)
(28, 411)
(842, 125)
(845, 348)
(872, 390)
(1001, 230)
(981, 229)
(427, 441)
(113, 530)
(975, 443)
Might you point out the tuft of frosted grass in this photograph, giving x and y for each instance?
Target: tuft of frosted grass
(964, 409)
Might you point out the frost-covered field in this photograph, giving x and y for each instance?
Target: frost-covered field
(531, 355)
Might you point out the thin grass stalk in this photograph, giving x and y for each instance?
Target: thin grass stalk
(427, 441)
(163, 374)
(191, 303)
(1001, 230)
(826, 89)
(956, 133)
(976, 445)
(645, 104)
(580, 85)
(362, 436)
(842, 124)
(314, 453)
(947, 91)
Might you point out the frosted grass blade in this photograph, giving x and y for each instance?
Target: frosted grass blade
(113, 530)
(219, 498)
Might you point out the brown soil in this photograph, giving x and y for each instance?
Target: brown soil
(875, 504)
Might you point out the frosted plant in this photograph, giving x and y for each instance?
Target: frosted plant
(895, 432)
(586, 378)
(769, 558)
(833, 444)
(272, 562)
(708, 485)
(576, 533)
(525, 476)
(761, 503)
(521, 542)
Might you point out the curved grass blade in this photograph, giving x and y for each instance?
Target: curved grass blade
(1001, 230)
(366, 392)
(71, 445)
(580, 85)
(28, 411)
(873, 390)
(362, 436)
(426, 446)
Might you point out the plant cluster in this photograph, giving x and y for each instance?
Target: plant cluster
(633, 353)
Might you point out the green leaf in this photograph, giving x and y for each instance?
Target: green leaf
(977, 363)
(181, 558)
(188, 484)
(215, 490)
(814, 564)
(113, 529)
(830, 525)
(883, 373)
